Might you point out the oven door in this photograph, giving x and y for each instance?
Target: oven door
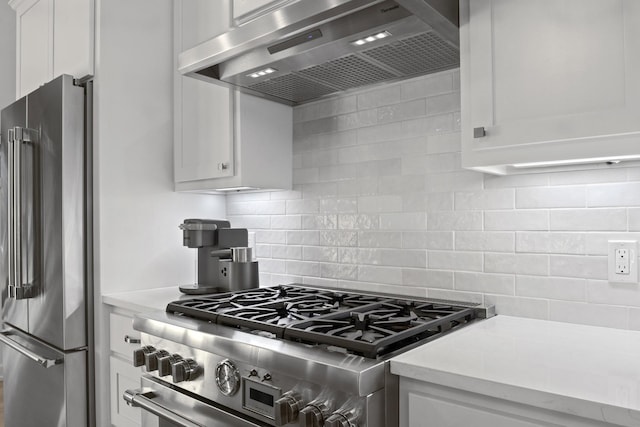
(163, 406)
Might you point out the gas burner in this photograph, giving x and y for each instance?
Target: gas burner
(360, 324)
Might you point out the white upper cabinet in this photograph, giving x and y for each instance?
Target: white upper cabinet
(53, 37)
(203, 131)
(549, 82)
(224, 139)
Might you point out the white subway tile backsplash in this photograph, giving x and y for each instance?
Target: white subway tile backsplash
(537, 265)
(358, 187)
(603, 292)
(459, 220)
(402, 111)
(448, 102)
(306, 237)
(342, 205)
(320, 253)
(586, 267)
(453, 181)
(385, 275)
(338, 238)
(518, 306)
(275, 237)
(551, 243)
(404, 221)
(589, 314)
(339, 271)
(319, 222)
(444, 143)
(550, 197)
(618, 194)
(381, 203)
(429, 86)
(597, 243)
(358, 222)
(303, 268)
(516, 220)
(455, 261)
(634, 219)
(378, 97)
(380, 239)
(588, 220)
(486, 283)
(559, 288)
(427, 278)
(286, 222)
(485, 200)
(489, 241)
(285, 252)
(437, 240)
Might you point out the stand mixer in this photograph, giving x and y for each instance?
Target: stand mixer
(225, 262)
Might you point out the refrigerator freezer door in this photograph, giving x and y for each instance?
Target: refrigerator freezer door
(15, 311)
(36, 395)
(57, 312)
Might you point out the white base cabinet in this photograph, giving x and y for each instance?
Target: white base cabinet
(549, 82)
(429, 405)
(123, 375)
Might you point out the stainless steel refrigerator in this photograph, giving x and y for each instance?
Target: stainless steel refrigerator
(45, 262)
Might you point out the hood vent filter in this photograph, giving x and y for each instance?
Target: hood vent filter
(416, 55)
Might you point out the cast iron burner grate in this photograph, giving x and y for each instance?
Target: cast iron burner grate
(366, 325)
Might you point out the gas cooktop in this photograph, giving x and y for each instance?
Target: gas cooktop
(368, 325)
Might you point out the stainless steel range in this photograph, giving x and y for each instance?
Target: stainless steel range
(285, 355)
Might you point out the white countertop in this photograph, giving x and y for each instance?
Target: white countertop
(589, 371)
(143, 300)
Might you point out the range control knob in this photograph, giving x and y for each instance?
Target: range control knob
(151, 359)
(138, 354)
(338, 419)
(165, 362)
(314, 414)
(287, 408)
(184, 370)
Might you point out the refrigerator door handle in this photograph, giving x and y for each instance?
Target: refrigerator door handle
(10, 210)
(17, 136)
(42, 361)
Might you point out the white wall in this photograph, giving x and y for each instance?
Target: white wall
(138, 213)
(8, 54)
(381, 202)
(138, 243)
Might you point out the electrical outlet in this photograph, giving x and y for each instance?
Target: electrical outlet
(623, 261)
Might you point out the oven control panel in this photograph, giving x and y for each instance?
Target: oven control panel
(269, 395)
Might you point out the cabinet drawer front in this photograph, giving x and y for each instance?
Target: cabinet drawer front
(120, 327)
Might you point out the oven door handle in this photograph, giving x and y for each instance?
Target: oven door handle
(143, 399)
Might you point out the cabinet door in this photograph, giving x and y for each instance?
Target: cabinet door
(549, 80)
(203, 146)
(34, 48)
(123, 377)
(73, 38)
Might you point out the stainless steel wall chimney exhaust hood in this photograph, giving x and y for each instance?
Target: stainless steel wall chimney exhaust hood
(308, 49)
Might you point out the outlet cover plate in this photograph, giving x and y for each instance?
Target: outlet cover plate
(631, 247)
